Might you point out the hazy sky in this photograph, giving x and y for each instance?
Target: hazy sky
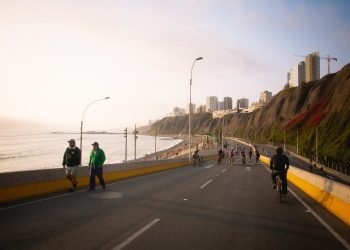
(57, 56)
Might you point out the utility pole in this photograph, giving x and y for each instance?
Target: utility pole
(255, 136)
(155, 143)
(126, 144)
(222, 133)
(135, 138)
(272, 138)
(297, 141)
(190, 111)
(316, 144)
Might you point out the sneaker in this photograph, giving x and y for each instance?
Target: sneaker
(71, 190)
(104, 188)
(274, 186)
(90, 189)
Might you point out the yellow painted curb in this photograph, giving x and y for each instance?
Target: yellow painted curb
(8, 194)
(338, 207)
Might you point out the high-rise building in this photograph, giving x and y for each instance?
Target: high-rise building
(201, 109)
(242, 103)
(221, 106)
(312, 67)
(297, 75)
(227, 103)
(212, 103)
(265, 97)
(193, 108)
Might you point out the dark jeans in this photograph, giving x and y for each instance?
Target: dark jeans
(99, 172)
(283, 177)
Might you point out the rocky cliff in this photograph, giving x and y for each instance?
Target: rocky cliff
(322, 104)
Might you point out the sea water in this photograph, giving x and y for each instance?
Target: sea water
(28, 151)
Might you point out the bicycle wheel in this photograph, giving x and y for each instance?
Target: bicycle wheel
(279, 188)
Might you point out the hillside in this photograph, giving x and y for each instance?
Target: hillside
(324, 104)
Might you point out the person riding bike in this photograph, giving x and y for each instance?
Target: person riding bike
(220, 155)
(279, 165)
(232, 157)
(196, 158)
(257, 156)
(243, 156)
(250, 154)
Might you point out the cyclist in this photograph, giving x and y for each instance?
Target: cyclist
(279, 165)
(250, 154)
(257, 156)
(232, 157)
(196, 158)
(243, 156)
(220, 155)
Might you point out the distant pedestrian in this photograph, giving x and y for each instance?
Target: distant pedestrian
(71, 162)
(97, 159)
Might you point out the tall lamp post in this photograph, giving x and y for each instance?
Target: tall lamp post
(81, 125)
(190, 111)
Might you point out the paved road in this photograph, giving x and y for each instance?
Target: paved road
(269, 150)
(208, 207)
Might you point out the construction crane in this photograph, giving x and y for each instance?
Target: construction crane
(328, 58)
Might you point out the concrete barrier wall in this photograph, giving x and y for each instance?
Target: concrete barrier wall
(334, 196)
(26, 184)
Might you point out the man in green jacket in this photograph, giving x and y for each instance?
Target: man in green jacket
(97, 159)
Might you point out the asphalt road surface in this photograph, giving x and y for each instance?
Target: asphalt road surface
(207, 207)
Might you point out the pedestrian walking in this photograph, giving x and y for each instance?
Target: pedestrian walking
(71, 162)
(97, 159)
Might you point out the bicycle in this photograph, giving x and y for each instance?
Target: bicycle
(279, 184)
(196, 160)
(279, 187)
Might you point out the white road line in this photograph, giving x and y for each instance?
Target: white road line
(135, 235)
(209, 166)
(223, 171)
(318, 218)
(325, 224)
(205, 184)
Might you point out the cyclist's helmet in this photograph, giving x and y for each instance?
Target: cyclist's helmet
(279, 150)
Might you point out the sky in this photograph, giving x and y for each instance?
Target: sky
(56, 56)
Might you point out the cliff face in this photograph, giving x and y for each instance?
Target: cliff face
(322, 104)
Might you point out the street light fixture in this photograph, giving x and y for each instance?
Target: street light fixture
(190, 111)
(82, 122)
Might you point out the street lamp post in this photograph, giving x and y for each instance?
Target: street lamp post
(82, 123)
(222, 132)
(190, 111)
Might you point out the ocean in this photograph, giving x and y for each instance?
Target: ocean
(29, 151)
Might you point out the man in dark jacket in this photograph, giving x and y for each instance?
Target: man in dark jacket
(71, 162)
(279, 165)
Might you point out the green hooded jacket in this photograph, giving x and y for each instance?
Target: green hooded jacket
(97, 159)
